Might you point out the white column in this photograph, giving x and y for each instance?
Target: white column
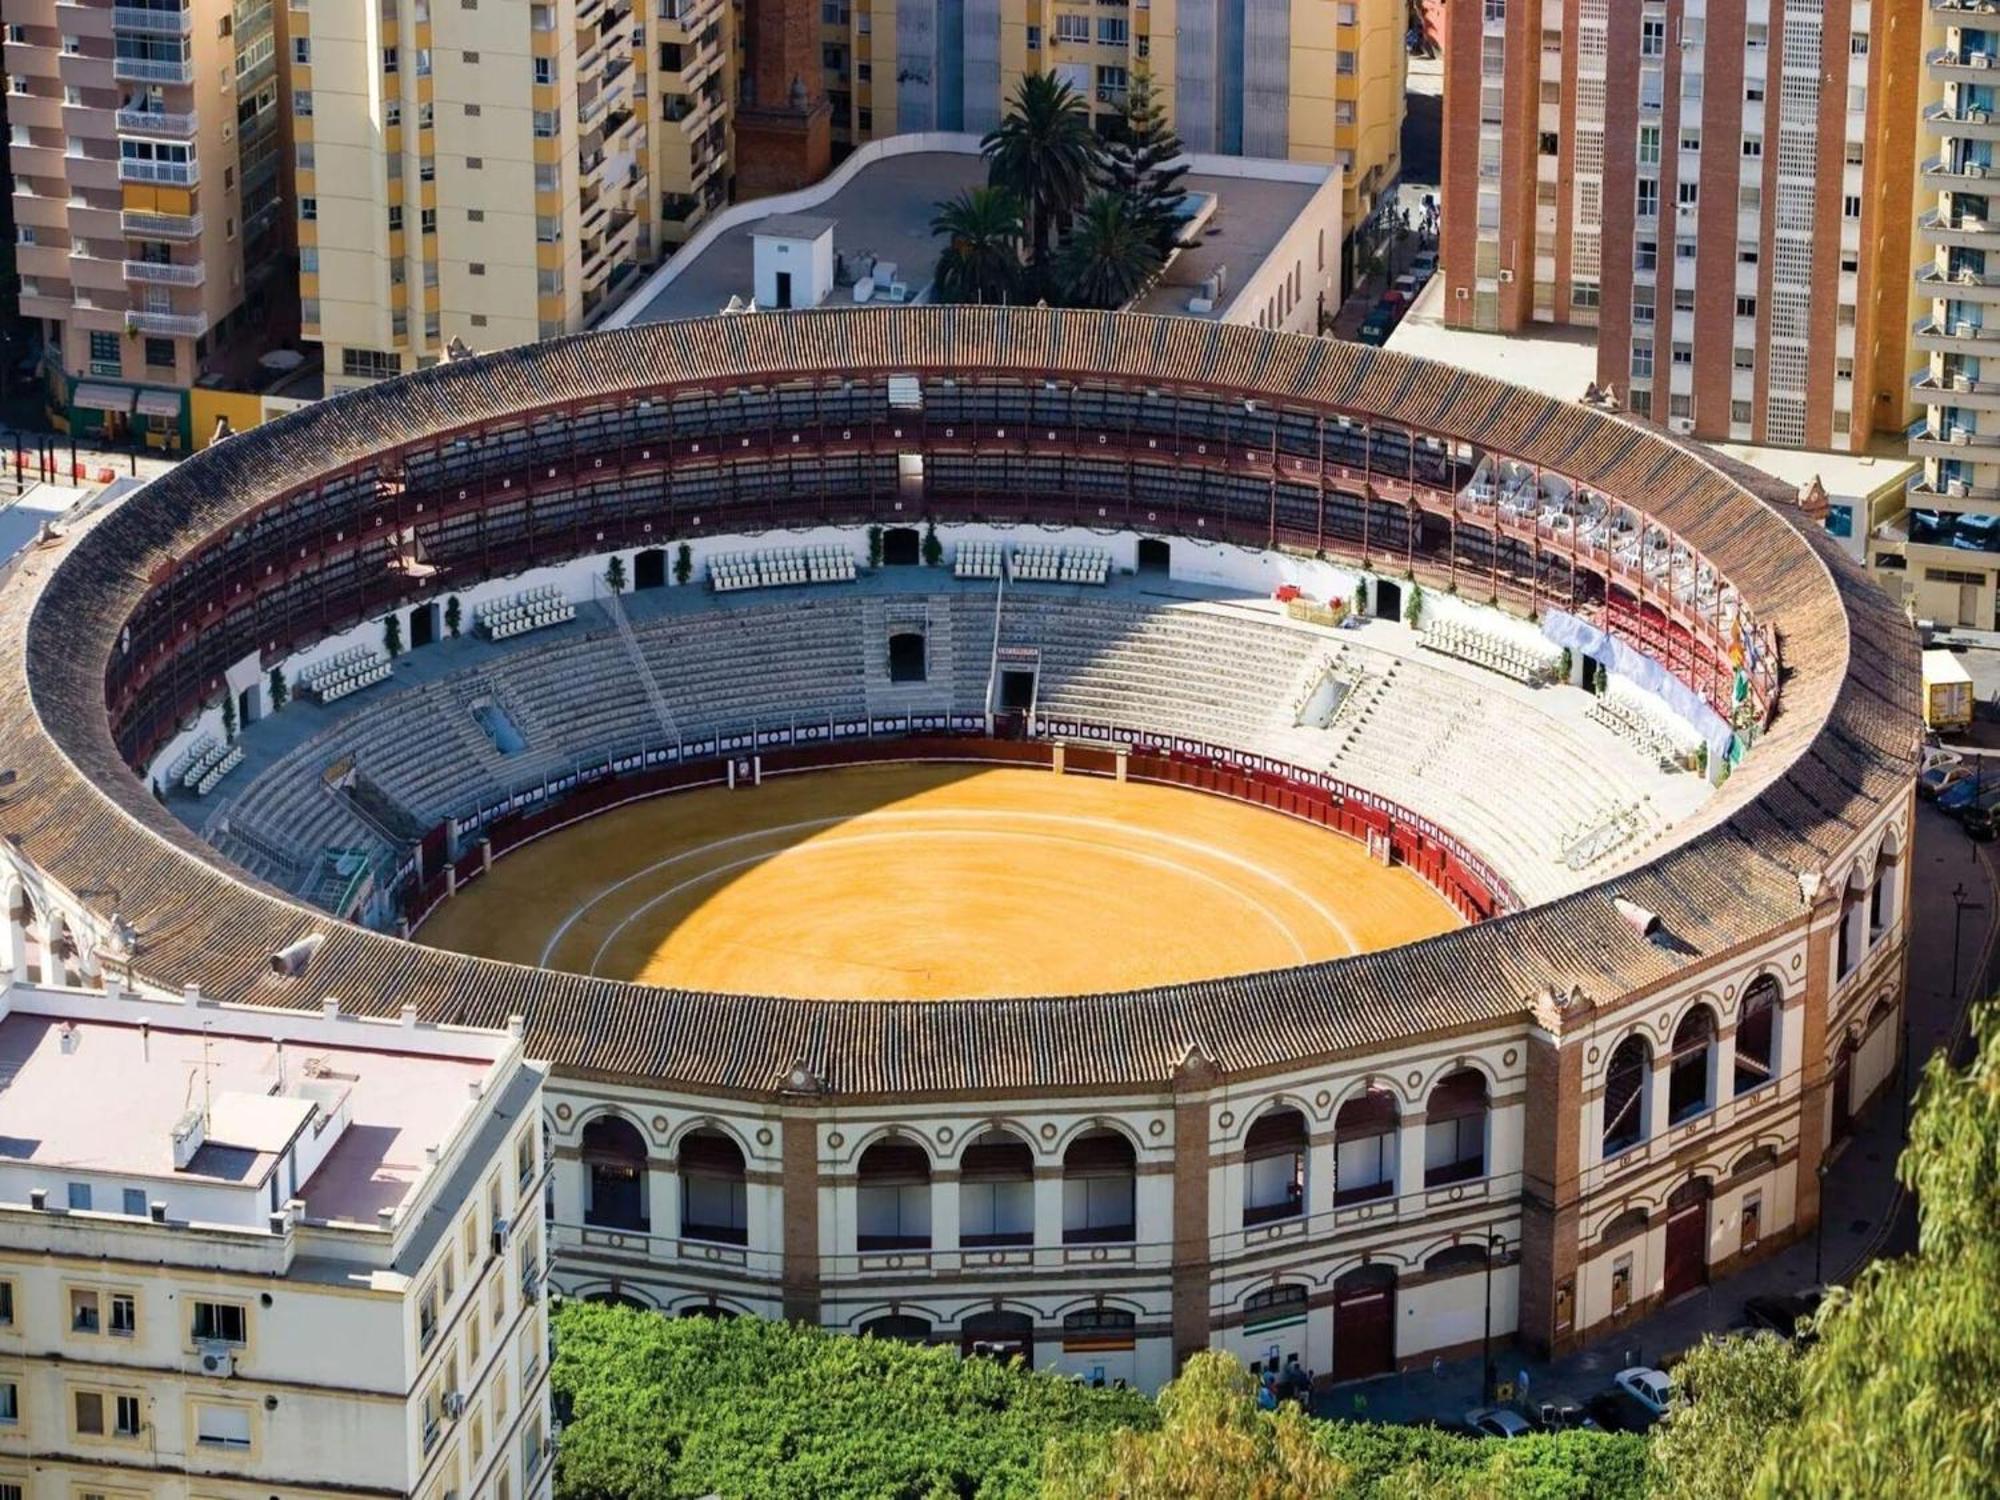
(1410, 1154)
(663, 1200)
(569, 1190)
(944, 1213)
(1320, 1174)
(1049, 1207)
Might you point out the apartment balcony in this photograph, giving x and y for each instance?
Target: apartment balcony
(169, 325)
(153, 69)
(158, 273)
(1949, 494)
(1958, 64)
(159, 173)
(1960, 337)
(1967, 230)
(1958, 12)
(153, 22)
(1961, 124)
(1949, 440)
(1955, 390)
(160, 226)
(1964, 286)
(156, 123)
(1946, 176)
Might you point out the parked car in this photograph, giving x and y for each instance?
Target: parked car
(1425, 266)
(1566, 1413)
(1650, 1388)
(1405, 286)
(1376, 327)
(1615, 1411)
(1977, 807)
(1781, 1312)
(1960, 795)
(1934, 781)
(1497, 1422)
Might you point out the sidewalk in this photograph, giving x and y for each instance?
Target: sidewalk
(1864, 1211)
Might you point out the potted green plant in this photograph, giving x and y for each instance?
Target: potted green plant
(392, 636)
(614, 574)
(278, 693)
(454, 615)
(1413, 612)
(874, 546)
(683, 564)
(933, 548)
(228, 717)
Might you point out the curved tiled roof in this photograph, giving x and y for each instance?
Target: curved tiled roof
(1841, 747)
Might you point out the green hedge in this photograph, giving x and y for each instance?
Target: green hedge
(658, 1408)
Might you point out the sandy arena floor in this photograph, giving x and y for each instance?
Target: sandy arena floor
(923, 882)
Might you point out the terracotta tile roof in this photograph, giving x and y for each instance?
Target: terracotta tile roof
(1840, 749)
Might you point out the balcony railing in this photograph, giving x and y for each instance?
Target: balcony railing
(161, 226)
(165, 274)
(170, 325)
(156, 22)
(157, 122)
(1958, 57)
(153, 69)
(1932, 276)
(1931, 328)
(170, 173)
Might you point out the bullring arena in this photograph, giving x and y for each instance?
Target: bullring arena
(1077, 835)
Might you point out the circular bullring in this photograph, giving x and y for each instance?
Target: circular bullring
(1235, 439)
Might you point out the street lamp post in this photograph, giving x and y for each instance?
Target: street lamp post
(1819, 1231)
(1959, 907)
(1495, 1246)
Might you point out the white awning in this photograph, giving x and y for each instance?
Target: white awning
(159, 403)
(102, 397)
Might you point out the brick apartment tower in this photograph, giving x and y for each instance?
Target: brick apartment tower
(1723, 191)
(784, 133)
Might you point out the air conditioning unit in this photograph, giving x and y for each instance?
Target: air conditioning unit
(531, 1289)
(1960, 437)
(1955, 488)
(217, 1359)
(1506, 276)
(1974, 169)
(454, 1404)
(1682, 424)
(1981, 60)
(499, 1235)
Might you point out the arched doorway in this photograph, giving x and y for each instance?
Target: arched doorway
(714, 1196)
(1274, 1167)
(1155, 555)
(1687, 1238)
(1364, 1323)
(423, 625)
(902, 547)
(999, 1335)
(900, 1328)
(614, 1159)
(649, 569)
(1388, 600)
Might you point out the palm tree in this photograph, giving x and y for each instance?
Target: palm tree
(981, 261)
(1045, 153)
(1109, 256)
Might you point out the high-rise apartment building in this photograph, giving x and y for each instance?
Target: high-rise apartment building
(1310, 80)
(492, 172)
(1721, 190)
(146, 141)
(1943, 558)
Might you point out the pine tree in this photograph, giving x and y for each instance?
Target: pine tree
(1146, 164)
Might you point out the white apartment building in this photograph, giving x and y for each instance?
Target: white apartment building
(247, 1251)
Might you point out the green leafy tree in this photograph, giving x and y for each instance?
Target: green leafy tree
(614, 574)
(981, 260)
(1109, 256)
(1900, 1389)
(874, 546)
(277, 691)
(1731, 1395)
(228, 716)
(1046, 154)
(1413, 612)
(454, 615)
(933, 549)
(683, 564)
(1144, 164)
(1212, 1443)
(392, 636)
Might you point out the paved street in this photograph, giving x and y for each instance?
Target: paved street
(1866, 1213)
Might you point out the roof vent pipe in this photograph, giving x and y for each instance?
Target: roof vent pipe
(1645, 923)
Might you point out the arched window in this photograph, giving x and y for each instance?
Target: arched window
(1099, 1323)
(1757, 1034)
(898, 1327)
(714, 1199)
(1688, 1073)
(1455, 1129)
(996, 1192)
(1632, 1221)
(999, 1334)
(1274, 1303)
(616, 1299)
(1625, 1108)
(1099, 1189)
(1274, 1167)
(1456, 1260)
(614, 1157)
(1364, 1135)
(893, 1197)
